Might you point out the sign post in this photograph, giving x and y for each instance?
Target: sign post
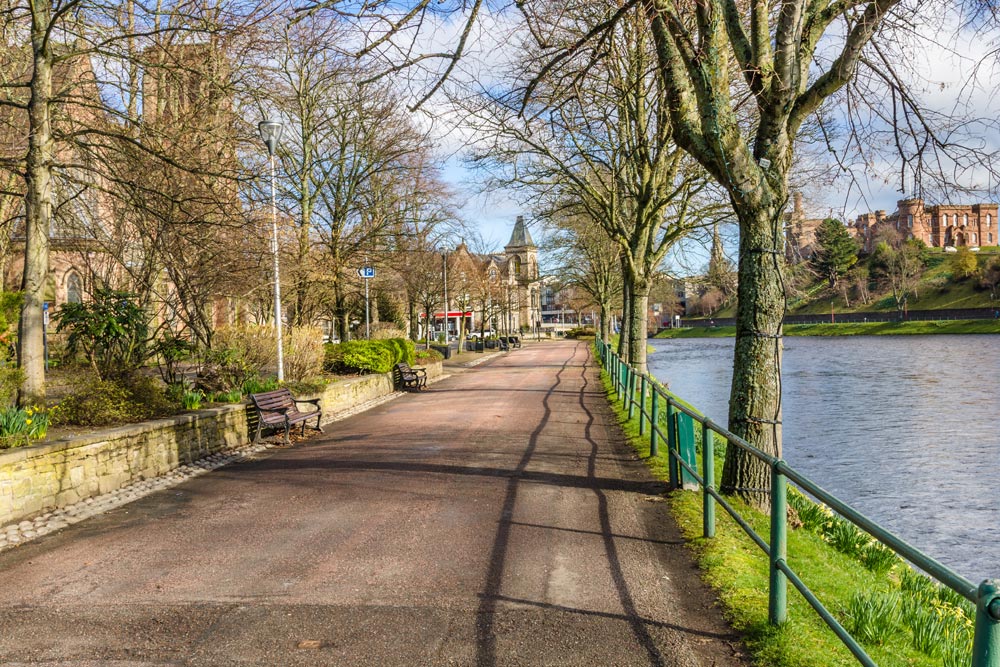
(367, 273)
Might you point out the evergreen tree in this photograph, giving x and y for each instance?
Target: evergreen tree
(835, 252)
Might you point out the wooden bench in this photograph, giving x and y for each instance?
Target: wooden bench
(410, 378)
(277, 410)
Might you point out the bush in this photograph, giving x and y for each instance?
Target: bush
(303, 347)
(112, 332)
(385, 331)
(239, 353)
(368, 356)
(97, 402)
(427, 356)
(581, 332)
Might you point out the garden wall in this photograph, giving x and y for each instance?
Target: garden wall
(50, 475)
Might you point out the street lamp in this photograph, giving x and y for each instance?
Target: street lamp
(270, 133)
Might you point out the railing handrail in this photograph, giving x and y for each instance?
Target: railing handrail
(986, 643)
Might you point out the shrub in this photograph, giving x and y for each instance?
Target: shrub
(148, 397)
(426, 356)
(97, 402)
(258, 385)
(238, 353)
(307, 387)
(303, 347)
(385, 331)
(171, 351)
(581, 332)
(366, 356)
(112, 332)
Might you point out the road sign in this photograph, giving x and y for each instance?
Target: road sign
(367, 272)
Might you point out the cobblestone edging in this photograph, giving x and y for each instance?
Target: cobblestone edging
(50, 522)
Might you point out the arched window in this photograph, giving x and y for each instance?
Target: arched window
(517, 266)
(74, 288)
(989, 219)
(991, 237)
(965, 219)
(909, 220)
(974, 238)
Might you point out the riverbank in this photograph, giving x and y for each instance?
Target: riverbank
(853, 329)
(901, 617)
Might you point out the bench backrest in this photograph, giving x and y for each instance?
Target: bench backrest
(279, 399)
(403, 367)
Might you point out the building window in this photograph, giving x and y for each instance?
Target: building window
(74, 288)
(991, 237)
(973, 238)
(965, 219)
(989, 219)
(517, 266)
(909, 220)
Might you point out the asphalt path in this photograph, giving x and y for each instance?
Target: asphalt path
(496, 518)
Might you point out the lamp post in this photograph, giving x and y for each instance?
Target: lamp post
(444, 274)
(270, 133)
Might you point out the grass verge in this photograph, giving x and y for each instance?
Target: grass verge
(853, 329)
(901, 617)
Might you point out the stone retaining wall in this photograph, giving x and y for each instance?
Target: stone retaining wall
(54, 474)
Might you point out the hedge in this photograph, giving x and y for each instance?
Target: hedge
(368, 356)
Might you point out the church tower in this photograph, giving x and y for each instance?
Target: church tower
(522, 266)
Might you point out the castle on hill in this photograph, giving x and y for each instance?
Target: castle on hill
(938, 226)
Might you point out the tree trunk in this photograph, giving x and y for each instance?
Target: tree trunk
(605, 321)
(638, 317)
(623, 332)
(38, 214)
(755, 398)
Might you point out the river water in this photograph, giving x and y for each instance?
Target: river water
(903, 428)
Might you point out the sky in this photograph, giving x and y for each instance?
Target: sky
(940, 68)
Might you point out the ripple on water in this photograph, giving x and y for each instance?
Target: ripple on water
(901, 427)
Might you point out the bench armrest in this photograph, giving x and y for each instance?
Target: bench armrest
(314, 401)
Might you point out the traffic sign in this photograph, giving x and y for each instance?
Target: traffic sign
(367, 272)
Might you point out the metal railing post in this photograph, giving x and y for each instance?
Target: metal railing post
(631, 392)
(777, 600)
(642, 405)
(986, 644)
(672, 465)
(708, 475)
(654, 416)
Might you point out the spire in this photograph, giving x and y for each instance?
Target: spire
(520, 238)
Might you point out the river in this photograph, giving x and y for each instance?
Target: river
(903, 428)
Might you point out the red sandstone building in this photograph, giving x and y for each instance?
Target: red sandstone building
(937, 226)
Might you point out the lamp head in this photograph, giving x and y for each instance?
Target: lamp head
(270, 133)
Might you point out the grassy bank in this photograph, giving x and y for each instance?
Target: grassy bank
(901, 617)
(853, 329)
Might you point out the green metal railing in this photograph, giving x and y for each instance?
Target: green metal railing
(682, 467)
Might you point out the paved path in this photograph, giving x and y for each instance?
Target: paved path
(495, 519)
